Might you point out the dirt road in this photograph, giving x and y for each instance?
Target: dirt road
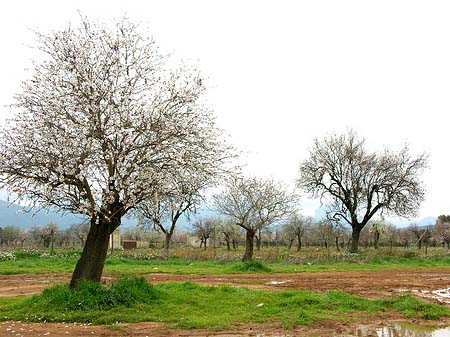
(376, 284)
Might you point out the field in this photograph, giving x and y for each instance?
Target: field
(210, 293)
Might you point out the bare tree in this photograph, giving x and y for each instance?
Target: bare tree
(404, 236)
(80, 231)
(203, 229)
(231, 234)
(252, 204)
(181, 197)
(357, 183)
(297, 226)
(421, 234)
(102, 125)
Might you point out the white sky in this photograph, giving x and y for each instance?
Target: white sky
(284, 72)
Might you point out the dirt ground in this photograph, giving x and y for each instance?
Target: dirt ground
(375, 284)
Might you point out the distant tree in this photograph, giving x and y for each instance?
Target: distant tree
(48, 234)
(390, 235)
(252, 204)
(442, 232)
(377, 227)
(11, 235)
(404, 236)
(203, 229)
(325, 232)
(231, 234)
(296, 227)
(181, 197)
(80, 231)
(420, 234)
(103, 124)
(443, 219)
(357, 183)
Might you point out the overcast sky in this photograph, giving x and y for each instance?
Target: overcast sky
(283, 72)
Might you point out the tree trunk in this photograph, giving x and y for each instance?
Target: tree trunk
(290, 244)
(258, 241)
(337, 243)
(92, 260)
(376, 239)
(228, 244)
(167, 238)
(249, 237)
(299, 245)
(355, 240)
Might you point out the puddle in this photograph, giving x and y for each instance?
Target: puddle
(276, 282)
(442, 295)
(403, 330)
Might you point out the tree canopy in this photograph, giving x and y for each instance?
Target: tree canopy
(357, 183)
(104, 124)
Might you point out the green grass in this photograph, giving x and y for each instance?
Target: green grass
(188, 305)
(194, 261)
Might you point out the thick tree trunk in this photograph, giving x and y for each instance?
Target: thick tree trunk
(167, 238)
(355, 240)
(92, 260)
(249, 237)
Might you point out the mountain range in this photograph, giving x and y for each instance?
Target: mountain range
(14, 215)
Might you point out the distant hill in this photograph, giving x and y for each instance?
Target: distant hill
(320, 213)
(13, 215)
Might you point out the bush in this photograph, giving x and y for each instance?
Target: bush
(94, 296)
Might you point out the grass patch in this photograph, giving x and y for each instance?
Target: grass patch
(251, 266)
(189, 305)
(191, 261)
(91, 296)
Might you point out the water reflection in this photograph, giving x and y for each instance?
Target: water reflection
(403, 330)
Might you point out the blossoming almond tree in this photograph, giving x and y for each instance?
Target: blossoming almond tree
(102, 125)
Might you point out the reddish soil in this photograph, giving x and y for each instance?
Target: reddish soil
(376, 284)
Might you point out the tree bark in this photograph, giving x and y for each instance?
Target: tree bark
(92, 260)
(227, 240)
(299, 244)
(258, 240)
(376, 239)
(167, 238)
(249, 237)
(355, 240)
(290, 244)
